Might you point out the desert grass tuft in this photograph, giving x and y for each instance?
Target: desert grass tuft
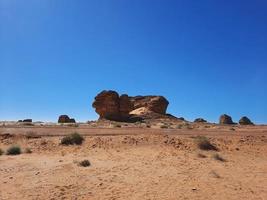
(84, 163)
(13, 150)
(74, 138)
(218, 157)
(1, 152)
(203, 143)
(28, 150)
(200, 155)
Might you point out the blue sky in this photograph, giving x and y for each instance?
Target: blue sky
(206, 57)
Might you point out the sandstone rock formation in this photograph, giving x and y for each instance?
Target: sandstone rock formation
(65, 119)
(157, 104)
(245, 121)
(226, 119)
(200, 120)
(109, 105)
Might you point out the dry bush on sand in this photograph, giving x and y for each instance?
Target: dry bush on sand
(13, 150)
(203, 143)
(74, 138)
(218, 157)
(84, 163)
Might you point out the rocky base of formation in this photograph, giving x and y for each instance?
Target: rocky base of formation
(110, 105)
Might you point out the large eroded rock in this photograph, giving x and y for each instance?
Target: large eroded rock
(226, 119)
(109, 105)
(157, 104)
(245, 121)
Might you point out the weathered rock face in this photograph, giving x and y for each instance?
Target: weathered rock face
(245, 121)
(109, 105)
(65, 119)
(157, 104)
(226, 119)
(200, 120)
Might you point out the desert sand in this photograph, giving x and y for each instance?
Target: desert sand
(134, 162)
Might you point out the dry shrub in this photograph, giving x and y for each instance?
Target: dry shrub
(74, 138)
(32, 135)
(204, 144)
(13, 150)
(84, 163)
(164, 126)
(200, 155)
(28, 150)
(1, 152)
(218, 157)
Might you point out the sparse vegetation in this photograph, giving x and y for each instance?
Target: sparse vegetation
(200, 155)
(117, 126)
(28, 150)
(164, 126)
(84, 163)
(215, 174)
(74, 138)
(31, 135)
(204, 144)
(13, 150)
(179, 126)
(1, 152)
(218, 157)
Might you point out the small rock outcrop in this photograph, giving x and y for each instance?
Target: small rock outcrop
(226, 119)
(65, 119)
(109, 105)
(25, 120)
(245, 121)
(200, 120)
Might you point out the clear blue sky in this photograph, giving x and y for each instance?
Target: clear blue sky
(206, 57)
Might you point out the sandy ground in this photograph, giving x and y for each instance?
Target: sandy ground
(146, 163)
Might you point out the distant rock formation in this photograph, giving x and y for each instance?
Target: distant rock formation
(200, 120)
(25, 120)
(109, 105)
(65, 119)
(226, 119)
(245, 121)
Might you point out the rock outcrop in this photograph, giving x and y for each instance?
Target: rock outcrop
(200, 120)
(109, 105)
(65, 119)
(25, 120)
(157, 104)
(245, 121)
(226, 119)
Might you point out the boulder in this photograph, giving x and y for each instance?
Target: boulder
(200, 120)
(65, 119)
(226, 119)
(27, 120)
(245, 121)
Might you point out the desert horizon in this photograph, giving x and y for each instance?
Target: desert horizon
(138, 100)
